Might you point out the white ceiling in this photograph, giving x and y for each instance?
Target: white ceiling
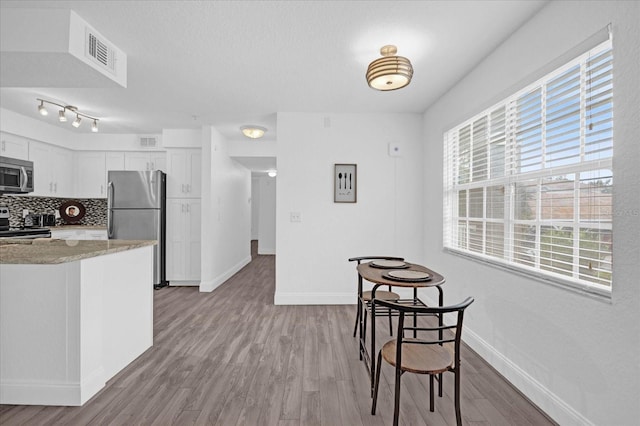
(230, 63)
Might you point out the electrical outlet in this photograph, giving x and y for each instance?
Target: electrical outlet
(295, 217)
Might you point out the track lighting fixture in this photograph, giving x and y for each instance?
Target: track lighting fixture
(62, 117)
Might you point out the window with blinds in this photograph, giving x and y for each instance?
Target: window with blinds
(528, 183)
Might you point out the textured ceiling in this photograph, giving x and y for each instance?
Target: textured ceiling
(229, 63)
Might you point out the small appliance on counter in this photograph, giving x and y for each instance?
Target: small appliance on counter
(4, 217)
(8, 232)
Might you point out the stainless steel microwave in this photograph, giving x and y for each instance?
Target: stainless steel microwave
(16, 176)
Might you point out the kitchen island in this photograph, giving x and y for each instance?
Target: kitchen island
(72, 315)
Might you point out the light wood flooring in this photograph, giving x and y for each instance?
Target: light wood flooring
(230, 357)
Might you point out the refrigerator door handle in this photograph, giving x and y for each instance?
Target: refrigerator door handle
(109, 210)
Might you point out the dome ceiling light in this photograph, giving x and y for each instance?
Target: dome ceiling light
(390, 72)
(253, 132)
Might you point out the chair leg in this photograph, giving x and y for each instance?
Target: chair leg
(431, 402)
(396, 405)
(364, 326)
(355, 327)
(457, 398)
(376, 384)
(390, 324)
(440, 385)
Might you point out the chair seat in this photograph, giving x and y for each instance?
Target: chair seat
(383, 295)
(421, 359)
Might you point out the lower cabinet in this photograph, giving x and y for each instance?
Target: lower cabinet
(183, 241)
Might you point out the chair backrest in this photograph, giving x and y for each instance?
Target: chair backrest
(363, 258)
(437, 334)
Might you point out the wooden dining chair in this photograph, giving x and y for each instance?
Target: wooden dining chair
(365, 300)
(436, 350)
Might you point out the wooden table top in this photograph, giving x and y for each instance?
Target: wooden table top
(374, 275)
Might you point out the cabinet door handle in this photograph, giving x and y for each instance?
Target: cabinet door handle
(188, 208)
(4, 146)
(101, 189)
(55, 187)
(188, 187)
(50, 186)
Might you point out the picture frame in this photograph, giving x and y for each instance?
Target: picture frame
(345, 183)
(72, 211)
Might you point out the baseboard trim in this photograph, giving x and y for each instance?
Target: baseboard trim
(58, 394)
(294, 298)
(548, 402)
(210, 285)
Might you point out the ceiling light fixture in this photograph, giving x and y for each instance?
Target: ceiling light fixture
(41, 109)
(62, 117)
(253, 132)
(272, 173)
(390, 72)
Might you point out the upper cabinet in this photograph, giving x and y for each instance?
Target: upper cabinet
(145, 161)
(53, 170)
(91, 172)
(14, 147)
(183, 173)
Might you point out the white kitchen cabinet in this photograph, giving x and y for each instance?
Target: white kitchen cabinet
(183, 241)
(183, 173)
(145, 161)
(91, 172)
(79, 234)
(14, 147)
(53, 170)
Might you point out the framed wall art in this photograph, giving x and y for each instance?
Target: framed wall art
(345, 183)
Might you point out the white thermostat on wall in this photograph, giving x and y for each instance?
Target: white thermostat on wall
(394, 149)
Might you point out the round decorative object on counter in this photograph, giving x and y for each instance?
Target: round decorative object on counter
(72, 211)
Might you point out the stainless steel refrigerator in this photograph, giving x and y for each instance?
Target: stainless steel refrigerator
(137, 211)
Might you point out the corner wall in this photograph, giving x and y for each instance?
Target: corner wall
(226, 212)
(573, 355)
(387, 219)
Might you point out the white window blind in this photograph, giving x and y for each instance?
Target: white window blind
(528, 183)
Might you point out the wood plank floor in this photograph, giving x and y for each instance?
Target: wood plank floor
(230, 357)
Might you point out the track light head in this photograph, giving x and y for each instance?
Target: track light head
(42, 110)
(76, 122)
(62, 116)
(94, 126)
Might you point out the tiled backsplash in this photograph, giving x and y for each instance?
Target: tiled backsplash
(96, 208)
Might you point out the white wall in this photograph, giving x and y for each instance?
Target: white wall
(267, 216)
(575, 356)
(311, 265)
(226, 212)
(255, 207)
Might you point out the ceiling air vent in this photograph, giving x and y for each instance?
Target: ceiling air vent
(100, 51)
(148, 141)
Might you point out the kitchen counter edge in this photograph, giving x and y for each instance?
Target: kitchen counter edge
(53, 251)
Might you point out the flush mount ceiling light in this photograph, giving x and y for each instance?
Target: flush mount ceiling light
(253, 132)
(272, 173)
(62, 117)
(390, 72)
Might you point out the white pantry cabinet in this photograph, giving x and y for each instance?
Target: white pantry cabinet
(183, 240)
(183, 173)
(53, 170)
(145, 161)
(14, 147)
(91, 172)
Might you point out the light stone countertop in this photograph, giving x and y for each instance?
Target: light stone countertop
(69, 227)
(49, 251)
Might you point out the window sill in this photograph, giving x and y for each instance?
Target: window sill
(572, 286)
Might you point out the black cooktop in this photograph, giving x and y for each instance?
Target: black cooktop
(26, 232)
